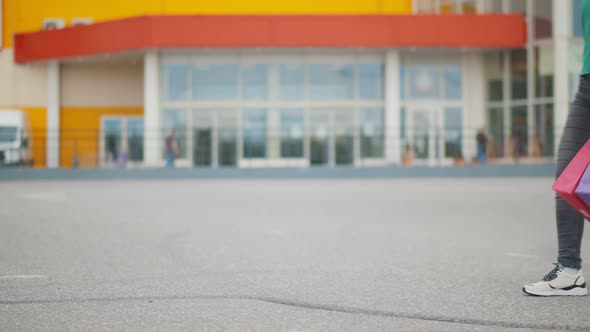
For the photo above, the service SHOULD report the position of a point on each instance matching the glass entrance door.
(227, 138)
(319, 138)
(121, 141)
(112, 142)
(214, 137)
(344, 128)
(424, 135)
(202, 138)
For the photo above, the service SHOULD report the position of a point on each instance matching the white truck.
(15, 138)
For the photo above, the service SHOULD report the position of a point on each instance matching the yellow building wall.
(38, 119)
(28, 15)
(80, 132)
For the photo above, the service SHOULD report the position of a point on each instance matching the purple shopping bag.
(568, 182)
(583, 189)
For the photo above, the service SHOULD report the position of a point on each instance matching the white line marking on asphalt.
(32, 276)
(519, 255)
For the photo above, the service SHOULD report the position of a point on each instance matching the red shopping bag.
(568, 181)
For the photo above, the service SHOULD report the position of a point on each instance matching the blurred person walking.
(566, 278)
(482, 143)
(171, 150)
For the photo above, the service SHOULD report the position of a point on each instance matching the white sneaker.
(558, 282)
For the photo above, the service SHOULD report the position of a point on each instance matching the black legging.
(570, 224)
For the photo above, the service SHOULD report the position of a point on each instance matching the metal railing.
(265, 147)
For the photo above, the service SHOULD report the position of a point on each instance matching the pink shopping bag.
(569, 180)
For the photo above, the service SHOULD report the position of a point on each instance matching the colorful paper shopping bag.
(567, 183)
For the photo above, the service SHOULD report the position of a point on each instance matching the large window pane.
(424, 81)
(544, 144)
(543, 11)
(319, 137)
(544, 68)
(453, 118)
(494, 63)
(371, 80)
(518, 6)
(372, 133)
(453, 82)
(112, 135)
(215, 82)
(175, 81)
(496, 131)
(174, 121)
(520, 132)
(135, 139)
(426, 6)
(255, 81)
(446, 6)
(344, 137)
(255, 132)
(519, 74)
(492, 6)
(291, 81)
(468, 6)
(202, 137)
(227, 136)
(421, 124)
(292, 128)
(331, 82)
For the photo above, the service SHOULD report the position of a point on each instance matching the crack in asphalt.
(312, 306)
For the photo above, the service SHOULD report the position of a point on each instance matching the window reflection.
(255, 132)
(135, 139)
(291, 81)
(292, 129)
(371, 80)
(175, 77)
(372, 133)
(453, 81)
(519, 80)
(215, 82)
(176, 119)
(255, 81)
(331, 82)
(453, 132)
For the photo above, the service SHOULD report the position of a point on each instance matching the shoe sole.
(578, 291)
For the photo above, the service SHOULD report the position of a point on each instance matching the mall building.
(291, 83)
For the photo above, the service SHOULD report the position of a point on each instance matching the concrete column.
(474, 105)
(151, 114)
(393, 143)
(53, 103)
(562, 29)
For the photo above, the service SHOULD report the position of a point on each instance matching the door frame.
(436, 132)
(101, 153)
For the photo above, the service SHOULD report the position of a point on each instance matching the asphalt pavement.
(280, 255)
